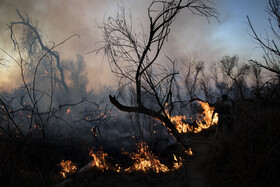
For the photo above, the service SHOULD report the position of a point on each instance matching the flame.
(118, 168)
(207, 120)
(67, 167)
(145, 160)
(189, 151)
(180, 125)
(177, 163)
(93, 130)
(99, 160)
(68, 110)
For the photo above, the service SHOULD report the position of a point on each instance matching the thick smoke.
(191, 35)
(58, 20)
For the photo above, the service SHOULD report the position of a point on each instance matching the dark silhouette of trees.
(270, 44)
(134, 57)
(269, 90)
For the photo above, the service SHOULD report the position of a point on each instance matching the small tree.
(134, 58)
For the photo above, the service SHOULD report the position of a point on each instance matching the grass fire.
(118, 102)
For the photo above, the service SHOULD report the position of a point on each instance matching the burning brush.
(67, 168)
(144, 160)
(207, 119)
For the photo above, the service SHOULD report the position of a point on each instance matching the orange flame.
(208, 119)
(145, 160)
(67, 167)
(180, 125)
(99, 160)
(93, 130)
(189, 151)
(68, 110)
(177, 163)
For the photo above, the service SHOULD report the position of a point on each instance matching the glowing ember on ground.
(67, 167)
(68, 110)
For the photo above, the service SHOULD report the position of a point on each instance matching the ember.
(68, 110)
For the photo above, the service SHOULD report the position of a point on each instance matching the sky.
(190, 35)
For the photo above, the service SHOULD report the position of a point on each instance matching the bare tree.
(134, 57)
(269, 44)
(30, 109)
(271, 54)
(33, 43)
(237, 73)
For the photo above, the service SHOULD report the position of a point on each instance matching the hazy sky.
(191, 35)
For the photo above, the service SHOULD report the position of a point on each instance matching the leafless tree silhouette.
(134, 57)
(35, 45)
(270, 44)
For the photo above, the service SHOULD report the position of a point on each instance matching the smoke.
(190, 34)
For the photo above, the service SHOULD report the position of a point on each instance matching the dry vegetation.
(40, 126)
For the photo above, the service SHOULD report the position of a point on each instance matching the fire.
(189, 151)
(180, 125)
(68, 110)
(145, 160)
(177, 163)
(208, 118)
(67, 167)
(99, 160)
(93, 130)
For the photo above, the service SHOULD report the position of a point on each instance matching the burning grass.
(67, 168)
(205, 120)
(143, 160)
